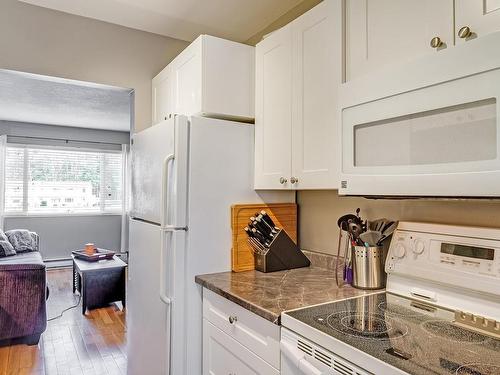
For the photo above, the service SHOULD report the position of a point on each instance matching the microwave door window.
(457, 134)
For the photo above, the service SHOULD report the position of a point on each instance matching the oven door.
(439, 140)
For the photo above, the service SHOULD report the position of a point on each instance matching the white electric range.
(440, 313)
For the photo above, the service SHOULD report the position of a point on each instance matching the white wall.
(43, 41)
(59, 235)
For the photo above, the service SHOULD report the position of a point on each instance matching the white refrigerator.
(186, 173)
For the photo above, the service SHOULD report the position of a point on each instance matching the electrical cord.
(67, 309)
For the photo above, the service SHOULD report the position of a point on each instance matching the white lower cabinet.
(222, 355)
(237, 341)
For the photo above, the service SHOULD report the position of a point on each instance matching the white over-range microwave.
(430, 128)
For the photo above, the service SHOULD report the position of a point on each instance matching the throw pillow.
(21, 240)
(6, 249)
(3, 237)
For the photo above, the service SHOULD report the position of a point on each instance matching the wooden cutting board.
(284, 216)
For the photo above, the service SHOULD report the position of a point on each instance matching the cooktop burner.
(412, 336)
(478, 369)
(394, 309)
(452, 332)
(369, 325)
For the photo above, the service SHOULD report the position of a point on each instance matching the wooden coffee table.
(99, 283)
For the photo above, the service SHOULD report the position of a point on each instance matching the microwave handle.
(298, 359)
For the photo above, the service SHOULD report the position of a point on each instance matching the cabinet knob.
(283, 180)
(233, 319)
(464, 32)
(436, 42)
(294, 180)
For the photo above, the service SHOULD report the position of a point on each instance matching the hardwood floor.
(93, 344)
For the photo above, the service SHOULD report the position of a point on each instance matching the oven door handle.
(299, 359)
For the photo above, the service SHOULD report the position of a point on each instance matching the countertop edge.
(266, 314)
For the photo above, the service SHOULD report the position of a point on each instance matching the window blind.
(43, 180)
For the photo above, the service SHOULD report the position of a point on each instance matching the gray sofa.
(23, 291)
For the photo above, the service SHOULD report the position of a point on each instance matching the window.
(41, 180)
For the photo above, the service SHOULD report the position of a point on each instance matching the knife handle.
(264, 229)
(260, 219)
(260, 237)
(248, 231)
(268, 219)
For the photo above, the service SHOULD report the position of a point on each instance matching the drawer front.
(222, 355)
(257, 334)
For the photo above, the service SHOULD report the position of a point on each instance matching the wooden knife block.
(284, 216)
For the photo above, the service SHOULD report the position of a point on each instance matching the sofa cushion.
(23, 261)
(21, 240)
(6, 249)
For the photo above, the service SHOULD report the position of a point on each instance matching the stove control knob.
(399, 250)
(418, 246)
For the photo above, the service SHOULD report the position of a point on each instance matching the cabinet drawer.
(223, 355)
(257, 334)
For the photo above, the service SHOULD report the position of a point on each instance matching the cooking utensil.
(378, 225)
(343, 226)
(355, 229)
(346, 219)
(337, 259)
(387, 232)
(372, 237)
(348, 257)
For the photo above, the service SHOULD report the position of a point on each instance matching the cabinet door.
(481, 16)
(317, 73)
(384, 32)
(222, 355)
(186, 70)
(162, 96)
(273, 110)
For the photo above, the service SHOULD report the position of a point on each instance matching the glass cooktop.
(412, 336)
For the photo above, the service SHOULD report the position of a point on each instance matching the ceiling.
(47, 100)
(181, 19)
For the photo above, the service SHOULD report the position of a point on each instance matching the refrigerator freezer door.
(150, 148)
(148, 318)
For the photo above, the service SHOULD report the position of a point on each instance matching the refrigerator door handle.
(163, 274)
(164, 189)
(165, 196)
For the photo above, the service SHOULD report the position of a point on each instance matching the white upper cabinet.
(273, 111)
(187, 74)
(212, 77)
(381, 33)
(298, 70)
(317, 73)
(476, 18)
(384, 32)
(162, 96)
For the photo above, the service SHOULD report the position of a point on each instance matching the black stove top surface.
(412, 336)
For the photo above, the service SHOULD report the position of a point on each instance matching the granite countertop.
(269, 294)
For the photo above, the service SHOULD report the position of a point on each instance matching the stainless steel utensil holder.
(283, 254)
(368, 267)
